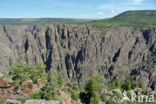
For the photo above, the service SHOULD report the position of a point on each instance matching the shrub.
(24, 99)
(113, 85)
(91, 89)
(129, 102)
(110, 102)
(60, 80)
(20, 72)
(74, 94)
(129, 94)
(95, 99)
(2, 101)
(141, 85)
(117, 94)
(81, 89)
(50, 90)
(36, 96)
(103, 97)
(116, 84)
(134, 84)
(126, 85)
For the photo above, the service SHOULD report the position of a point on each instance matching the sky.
(82, 9)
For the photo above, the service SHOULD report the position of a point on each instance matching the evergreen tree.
(50, 91)
(91, 89)
(60, 80)
(20, 72)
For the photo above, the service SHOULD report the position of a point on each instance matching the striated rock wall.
(77, 50)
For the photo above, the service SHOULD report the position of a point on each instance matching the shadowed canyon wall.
(78, 51)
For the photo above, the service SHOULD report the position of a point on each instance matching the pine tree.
(60, 80)
(20, 72)
(91, 88)
(50, 91)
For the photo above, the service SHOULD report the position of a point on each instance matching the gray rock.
(41, 102)
(77, 51)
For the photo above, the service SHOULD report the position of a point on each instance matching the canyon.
(79, 50)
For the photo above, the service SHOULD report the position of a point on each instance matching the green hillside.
(34, 21)
(129, 18)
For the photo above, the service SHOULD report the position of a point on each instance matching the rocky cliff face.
(77, 51)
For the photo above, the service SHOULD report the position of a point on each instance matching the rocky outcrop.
(10, 94)
(77, 50)
(6, 87)
(33, 101)
(29, 87)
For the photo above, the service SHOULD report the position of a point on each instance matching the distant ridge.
(129, 18)
(137, 13)
(34, 21)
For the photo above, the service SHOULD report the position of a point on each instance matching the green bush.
(24, 99)
(141, 85)
(91, 91)
(95, 99)
(134, 84)
(129, 102)
(20, 72)
(116, 84)
(2, 101)
(74, 94)
(110, 102)
(103, 97)
(126, 85)
(117, 94)
(60, 80)
(129, 94)
(36, 96)
(50, 91)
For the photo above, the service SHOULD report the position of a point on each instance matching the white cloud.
(112, 11)
(95, 15)
(122, 5)
(99, 14)
(137, 1)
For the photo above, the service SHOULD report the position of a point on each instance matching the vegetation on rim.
(53, 84)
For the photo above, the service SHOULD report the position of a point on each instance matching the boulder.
(6, 87)
(5, 82)
(27, 86)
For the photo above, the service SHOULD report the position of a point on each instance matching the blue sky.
(87, 9)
